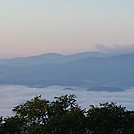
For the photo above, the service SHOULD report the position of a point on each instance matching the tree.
(129, 122)
(12, 125)
(65, 116)
(39, 116)
(107, 118)
(34, 114)
(1, 124)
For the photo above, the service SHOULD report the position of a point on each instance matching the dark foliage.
(64, 116)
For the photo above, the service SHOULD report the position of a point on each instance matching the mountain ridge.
(49, 58)
(91, 72)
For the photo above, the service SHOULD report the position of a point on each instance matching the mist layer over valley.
(11, 96)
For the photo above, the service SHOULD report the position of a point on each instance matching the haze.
(11, 96)
(32, 27)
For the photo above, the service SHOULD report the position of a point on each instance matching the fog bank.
(11, 96)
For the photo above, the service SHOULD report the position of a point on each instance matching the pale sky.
(32, 27)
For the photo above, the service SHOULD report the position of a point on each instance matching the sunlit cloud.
(119, 49)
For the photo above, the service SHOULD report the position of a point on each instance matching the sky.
(32, 27)
(11, 96)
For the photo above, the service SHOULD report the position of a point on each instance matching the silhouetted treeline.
(65, 116)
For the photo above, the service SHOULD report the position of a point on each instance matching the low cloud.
(116, 49)
(11, 96)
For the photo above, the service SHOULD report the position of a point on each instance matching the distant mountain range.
(49, 58)
(92, 70)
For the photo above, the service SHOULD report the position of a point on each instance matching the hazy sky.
(29, 27)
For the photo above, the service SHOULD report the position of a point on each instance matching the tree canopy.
(65, 116)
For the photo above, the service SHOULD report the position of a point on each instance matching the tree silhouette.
(65, 116)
